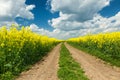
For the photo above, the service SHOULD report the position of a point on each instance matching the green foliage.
(69, 69)
(7, 76)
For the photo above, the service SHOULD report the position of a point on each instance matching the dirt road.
(94, 68)
(44, 70)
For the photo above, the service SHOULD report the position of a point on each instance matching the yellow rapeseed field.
(107, 44)
(21, 48)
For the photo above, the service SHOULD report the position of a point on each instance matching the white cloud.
(56, 33)
(68, 25)
(7, 23)
(34, 27)
(10, 9)
(39, 30)
(79, 10)
(79, 17)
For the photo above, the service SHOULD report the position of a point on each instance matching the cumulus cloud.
(96, 25)
(7, 23)
(56, 33)
(34, 27)
(80, 17)
(73, 13)
(10, 9)
(39, 30)
(79, 10)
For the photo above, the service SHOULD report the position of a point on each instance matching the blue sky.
(62, 19)
(41, 14)
(112, 9)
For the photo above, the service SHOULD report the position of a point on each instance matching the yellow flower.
(2, 45)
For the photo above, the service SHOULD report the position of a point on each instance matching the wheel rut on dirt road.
(94, 68)
(44, 70)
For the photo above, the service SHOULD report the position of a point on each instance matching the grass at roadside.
(69, 69)
(97, 53)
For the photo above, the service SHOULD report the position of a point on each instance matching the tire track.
(94, 68)
(44, 70)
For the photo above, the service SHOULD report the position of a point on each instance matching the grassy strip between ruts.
(97, 53)
(69, 69)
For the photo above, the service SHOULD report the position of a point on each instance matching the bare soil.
(94, 68)
(45, 69)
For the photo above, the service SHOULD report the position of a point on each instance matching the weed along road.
(45, 70)
(94, 68)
